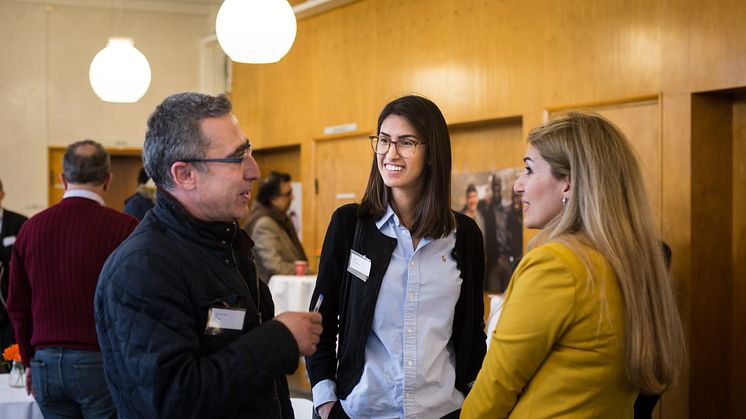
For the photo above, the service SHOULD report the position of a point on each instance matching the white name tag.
(8, 241)
(359, 265)
(225, 318)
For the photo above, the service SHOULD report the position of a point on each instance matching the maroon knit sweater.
(57, 257)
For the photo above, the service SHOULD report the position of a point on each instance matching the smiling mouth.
(393, 167)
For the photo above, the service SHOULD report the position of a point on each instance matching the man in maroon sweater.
(54, 269)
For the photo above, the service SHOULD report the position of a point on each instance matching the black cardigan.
(360, 298)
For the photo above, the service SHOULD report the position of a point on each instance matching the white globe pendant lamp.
(256, 31)
(119, 73)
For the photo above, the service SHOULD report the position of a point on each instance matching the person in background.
(514, 231)
(57, 257)
(401, 275)
(143, 199)
(186, 327)
(276, 244)
(470, 209)
(590, 317)
(10, 225)
(495, 237)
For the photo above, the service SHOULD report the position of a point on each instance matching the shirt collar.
(387, 216)
(82, 193)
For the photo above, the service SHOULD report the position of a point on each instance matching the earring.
(564, 201)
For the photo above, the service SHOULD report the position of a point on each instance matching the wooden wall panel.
(482, 60)
(280, 159)
(342, 167)
(125, 169)
(676, 200)
(640, 122)
(486, 146)
(738, 332)
(711, 256)
(125, 166)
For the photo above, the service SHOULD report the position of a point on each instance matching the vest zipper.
(257, 303)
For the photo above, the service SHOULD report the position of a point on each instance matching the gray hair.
(86, 166)
(174, 133)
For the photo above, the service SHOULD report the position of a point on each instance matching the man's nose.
(251, 171)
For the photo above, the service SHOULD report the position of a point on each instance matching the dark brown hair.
(432, 214)
(270, 188)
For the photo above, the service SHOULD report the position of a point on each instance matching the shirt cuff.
(324, 392)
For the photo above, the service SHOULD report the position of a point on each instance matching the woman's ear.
(566, 187)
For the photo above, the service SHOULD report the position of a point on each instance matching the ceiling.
(302, 8)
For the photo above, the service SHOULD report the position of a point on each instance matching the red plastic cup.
(300, 267)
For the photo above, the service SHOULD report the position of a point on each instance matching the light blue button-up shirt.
(410, 367)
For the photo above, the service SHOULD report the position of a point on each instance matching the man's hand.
(325, 409)
(29, 387)
(305, 328)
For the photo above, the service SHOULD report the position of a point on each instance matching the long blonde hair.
(609, 210)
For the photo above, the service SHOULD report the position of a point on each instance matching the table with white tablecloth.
(292, 292)
(15, 403)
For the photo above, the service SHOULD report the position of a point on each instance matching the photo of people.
(488, 198)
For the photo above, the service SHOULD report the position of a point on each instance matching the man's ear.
(183, 175)
(107, 182)
(63, 180)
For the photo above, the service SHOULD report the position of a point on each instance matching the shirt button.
(222, 242)
(409, 330)
(410, 297)
(409, 363)
(406, 396)
(412, 263)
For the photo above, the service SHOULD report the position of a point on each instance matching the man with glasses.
(186, 326)
(276, 244)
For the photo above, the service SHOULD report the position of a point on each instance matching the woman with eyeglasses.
(404, 274)
(590, 318)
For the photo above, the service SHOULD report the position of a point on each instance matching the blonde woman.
(590, 319)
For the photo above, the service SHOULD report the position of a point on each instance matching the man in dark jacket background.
(10, 225)
(186, 327)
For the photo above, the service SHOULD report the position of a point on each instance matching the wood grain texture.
(486, 60)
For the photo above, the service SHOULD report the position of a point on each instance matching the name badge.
(222, 319)
(359, 265)
(8, 241)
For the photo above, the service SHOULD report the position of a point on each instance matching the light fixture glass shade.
(119, 73)
(256, 31)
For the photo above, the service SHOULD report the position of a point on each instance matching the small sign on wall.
(339, 129)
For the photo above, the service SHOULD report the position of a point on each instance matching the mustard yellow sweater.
(558, 349)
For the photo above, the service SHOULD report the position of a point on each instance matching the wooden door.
(56, 188)
(342, 166)
(639, 120)
(125, 165)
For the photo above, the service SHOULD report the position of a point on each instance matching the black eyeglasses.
(245, 154)
(405, 147)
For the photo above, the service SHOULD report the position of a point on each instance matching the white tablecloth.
(15, 404)
(291, 292)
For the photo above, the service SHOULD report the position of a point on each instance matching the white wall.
(45, 97)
